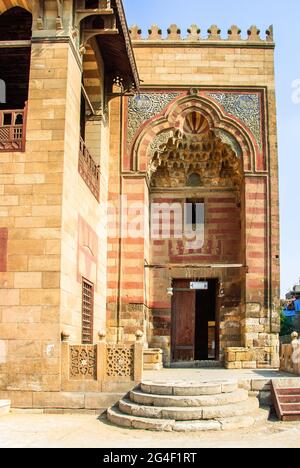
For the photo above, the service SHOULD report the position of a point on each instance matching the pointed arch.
(16, 24)
(6, 5)
(173, 118)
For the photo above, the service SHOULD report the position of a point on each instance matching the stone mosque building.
(98, 125)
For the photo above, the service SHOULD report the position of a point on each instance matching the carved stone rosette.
(83, 362)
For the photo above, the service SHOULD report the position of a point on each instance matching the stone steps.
(4, 407)
(286, 401)
(190, 413)
(187, 406)
(138, 396)
(189, 388)
(115, 416)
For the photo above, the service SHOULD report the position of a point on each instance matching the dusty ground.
(69, 431)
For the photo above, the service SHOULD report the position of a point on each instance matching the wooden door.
(183, 322)
(217, 292)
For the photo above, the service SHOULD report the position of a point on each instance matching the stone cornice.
(202, 44)
(60, 40)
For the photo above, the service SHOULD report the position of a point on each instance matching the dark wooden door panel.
(183, 320)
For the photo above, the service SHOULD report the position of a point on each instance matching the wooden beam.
(60, 11)
(40, 19)
(86, 97)
(14, 44)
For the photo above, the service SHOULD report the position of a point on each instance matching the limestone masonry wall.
(53, 229)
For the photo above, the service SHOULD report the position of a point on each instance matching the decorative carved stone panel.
(120, 361)
(246, 107)
(154, 117)
(197, 150)
(178, 249)
(143, 107)
(83, 362)
(158, 142)
(135, 307)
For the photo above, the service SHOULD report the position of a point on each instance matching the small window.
(98, 23)
(194, 180)
(91, 4)
(194, 212)
(7, 119)
(19, 119)
(87, 311)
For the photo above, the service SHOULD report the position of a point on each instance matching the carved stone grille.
(83, 362)
(120, 361)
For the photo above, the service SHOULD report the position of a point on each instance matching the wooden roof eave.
(128, 43)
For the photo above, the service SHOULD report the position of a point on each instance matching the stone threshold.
(197, 365)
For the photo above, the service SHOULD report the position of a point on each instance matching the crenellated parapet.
(193, 34)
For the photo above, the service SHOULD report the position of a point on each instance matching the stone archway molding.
(158, 129)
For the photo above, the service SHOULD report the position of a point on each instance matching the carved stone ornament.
(246, 107)
(195, 151)
(83, 362)
(120, 361)
(143, 107)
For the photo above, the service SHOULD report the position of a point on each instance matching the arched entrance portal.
(198, 174)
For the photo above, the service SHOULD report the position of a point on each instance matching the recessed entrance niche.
(196, 166)
(195, 156)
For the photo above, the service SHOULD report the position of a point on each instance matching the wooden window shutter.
(87, 311)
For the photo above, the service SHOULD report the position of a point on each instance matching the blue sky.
(285, 18)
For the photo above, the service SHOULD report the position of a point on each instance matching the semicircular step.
(181, 388)
(147, 399)
(115, 416)
(189, 413)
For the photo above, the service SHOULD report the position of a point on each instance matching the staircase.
(184, 407)
(287, 402)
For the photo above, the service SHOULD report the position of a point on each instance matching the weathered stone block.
(249, 365)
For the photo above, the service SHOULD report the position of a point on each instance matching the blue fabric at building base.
(297, 305)
(293, 312)
(289, 313)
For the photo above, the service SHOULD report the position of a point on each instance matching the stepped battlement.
(174, 34)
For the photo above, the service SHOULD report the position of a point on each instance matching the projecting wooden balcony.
(89, 170)
(12, 130)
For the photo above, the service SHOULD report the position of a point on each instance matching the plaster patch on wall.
(3, 249)
(3, 352)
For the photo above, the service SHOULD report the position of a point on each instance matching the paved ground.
(214, 374)
(81, 430)
(69, 431)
